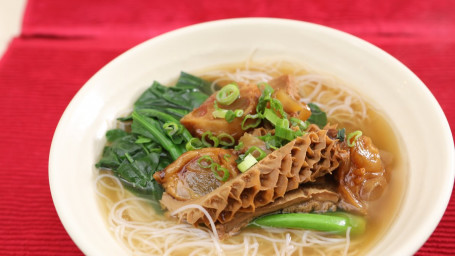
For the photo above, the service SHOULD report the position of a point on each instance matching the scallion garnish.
(194, 143)
(216, 168)
(247, 163)
(276, 105)
(206, 136)
(205, 161)
(299, 123)
(239, 146)
(271, 116)
(253, 149)
(252, 125)
(352, 138)
(226, 139)
(171, 128)
(228, 94)
(229, 115)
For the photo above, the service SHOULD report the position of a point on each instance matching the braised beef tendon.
(201, 119)
(191, 177)
(361, 176)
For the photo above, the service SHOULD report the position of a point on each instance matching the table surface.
(61, 44)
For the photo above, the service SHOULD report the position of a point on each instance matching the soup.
(137, 222)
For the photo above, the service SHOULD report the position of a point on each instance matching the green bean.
(336, 222)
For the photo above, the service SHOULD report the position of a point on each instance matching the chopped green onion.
(239, 146)
(227, 156)
(264, 99)
(219, 113)
(282, 130)
(299, 123)
(247, 163)
(253, 149)
(222, 139)
(230, 115)
(276, 105)
(216, 168)
(253, 125)
(352, 138)
(272, 141)
(207, 159)
(171, 128)
(194, 143)
(228, 94)
(271, 116)
(210, 137)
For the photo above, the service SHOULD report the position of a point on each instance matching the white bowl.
(416, 115)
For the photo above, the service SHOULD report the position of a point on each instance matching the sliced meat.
(201, 119)
(186, 178)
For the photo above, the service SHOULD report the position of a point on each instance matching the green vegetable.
(216, 168)
(283, 131)
(166, 118)
(229, 115)
(194, 83)
(247, 163)
(205, 161)
(299, 123)
(337, 222)
(253, 149)
(239, 146)
(206, 136)
(266, 96)
(272, 141)
(226, 139)
(318, 116)
(341, 134)
(134, 163)
(252, 125)
(228, 94)
(150, 126)
(276, 105)
(159, 96)
(271, 116)
(194, 143)
(157, 138)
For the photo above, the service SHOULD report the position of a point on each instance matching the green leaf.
(189, 81)
(341, 134)
(114, 134)
(318, 116)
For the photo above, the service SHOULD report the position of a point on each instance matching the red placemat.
(63, 43)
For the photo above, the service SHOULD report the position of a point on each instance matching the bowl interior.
(417, 118)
